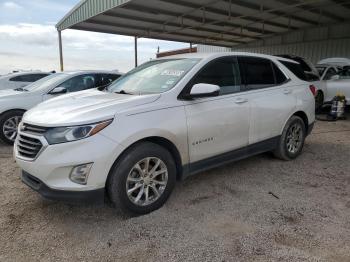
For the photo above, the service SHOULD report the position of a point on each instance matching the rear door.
(271, 97)
(217, 125)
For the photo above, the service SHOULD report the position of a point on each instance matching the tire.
(319, 100)
(125, 170)
(284, 149)
(9, 121)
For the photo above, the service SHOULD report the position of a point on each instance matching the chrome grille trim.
(28, 147)
(37, 130)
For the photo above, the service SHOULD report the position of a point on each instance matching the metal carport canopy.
(226, 23)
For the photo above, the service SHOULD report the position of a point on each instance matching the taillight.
(313, 89)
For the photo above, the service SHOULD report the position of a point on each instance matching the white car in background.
(163, 121)
(335, 61)
(13, 103)
(21, 79)
(333, 81)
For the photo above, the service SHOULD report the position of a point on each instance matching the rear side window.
(257, 72)
(28, 78)
(223, 72)
(296, 69)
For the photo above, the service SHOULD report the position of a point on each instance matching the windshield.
(46, 82)
(345, 73)
(153, 77)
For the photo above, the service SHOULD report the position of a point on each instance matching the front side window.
(46, 82)
(105, 80)
(223, 72)
(153, 77)
(258, 72)
(79, 83)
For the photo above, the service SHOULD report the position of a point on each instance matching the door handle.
(287, 91)
(241, 100)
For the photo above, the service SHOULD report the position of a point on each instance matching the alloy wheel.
(10, 127)
(147, 181)
(294, 138)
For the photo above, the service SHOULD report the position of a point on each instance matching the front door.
(219, 124)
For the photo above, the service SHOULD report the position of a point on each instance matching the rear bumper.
(90, 196)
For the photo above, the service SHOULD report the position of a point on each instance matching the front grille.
(32, 129)
(28, 147)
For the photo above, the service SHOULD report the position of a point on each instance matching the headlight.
(67, 134)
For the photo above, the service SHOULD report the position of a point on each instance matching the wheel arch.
(161, 141)
(13, 109)
(304, 117)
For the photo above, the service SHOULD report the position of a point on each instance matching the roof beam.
(148, 31)
(158, 24)
(217, 11)
(85, 26)
(314, 10)
(259, 7)
(345, 4)
(199, 20)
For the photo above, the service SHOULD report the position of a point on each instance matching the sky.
(28, 41)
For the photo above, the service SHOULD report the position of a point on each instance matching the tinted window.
(105, 80)
(258, 72)
(279, 76)
(296, 69)
(330, 72)
(28, 77)
(345, 73)
(78, 83)
(223, 72)
(320, 70)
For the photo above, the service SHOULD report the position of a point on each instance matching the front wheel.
(9, 122)
(292, 139)
(142, 179)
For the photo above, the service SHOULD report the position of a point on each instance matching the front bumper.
(90, 196)
(52, 167)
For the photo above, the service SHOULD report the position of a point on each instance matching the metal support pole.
(60, 49)
(135, 42)
(190, 47)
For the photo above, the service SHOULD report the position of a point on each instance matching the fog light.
(79, 174)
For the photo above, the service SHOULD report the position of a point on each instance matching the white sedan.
(14, 103)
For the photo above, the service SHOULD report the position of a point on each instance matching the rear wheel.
(142, 179)
(9, 122)
(292, 139)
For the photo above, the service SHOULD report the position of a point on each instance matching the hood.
(83, 108)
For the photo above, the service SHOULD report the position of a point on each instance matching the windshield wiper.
(20, 89)
(123, 92)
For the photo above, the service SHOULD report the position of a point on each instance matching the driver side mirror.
(204, 90)
(335, 77)
(58, 90)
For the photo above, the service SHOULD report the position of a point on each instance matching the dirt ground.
(258, 209)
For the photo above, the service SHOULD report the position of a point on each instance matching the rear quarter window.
(296, 69)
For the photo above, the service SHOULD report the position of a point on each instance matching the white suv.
(165, 120)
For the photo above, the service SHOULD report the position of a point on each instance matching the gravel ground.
(258, 209)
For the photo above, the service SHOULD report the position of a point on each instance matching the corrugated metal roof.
(214, 22)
